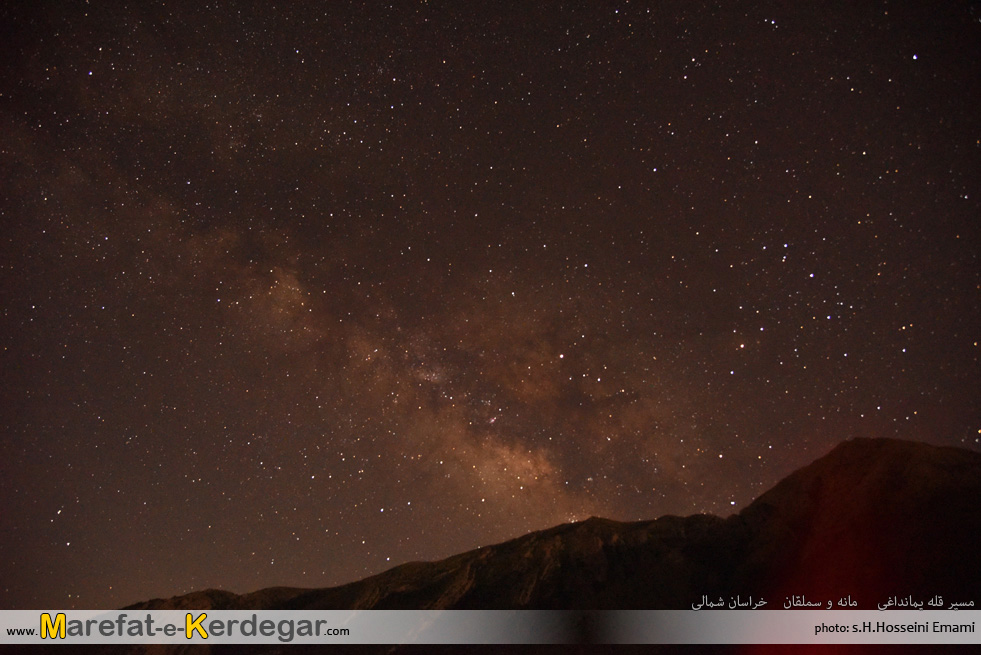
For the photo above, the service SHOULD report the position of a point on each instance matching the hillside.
(871, 519)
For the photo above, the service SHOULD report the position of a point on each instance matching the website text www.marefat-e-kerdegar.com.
(123, 626)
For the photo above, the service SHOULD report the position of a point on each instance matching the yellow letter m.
(47, 627)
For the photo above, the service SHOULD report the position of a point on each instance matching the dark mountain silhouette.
(872, 519)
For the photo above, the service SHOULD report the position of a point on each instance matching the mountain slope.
(871, 519)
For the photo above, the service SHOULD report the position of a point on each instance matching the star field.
(294, 294)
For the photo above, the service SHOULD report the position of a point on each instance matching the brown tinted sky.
(293, 294)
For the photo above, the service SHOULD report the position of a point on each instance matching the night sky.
(294, 294)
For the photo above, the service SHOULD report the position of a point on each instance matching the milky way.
(292, 295)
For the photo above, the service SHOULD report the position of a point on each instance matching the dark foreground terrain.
(872, 519)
